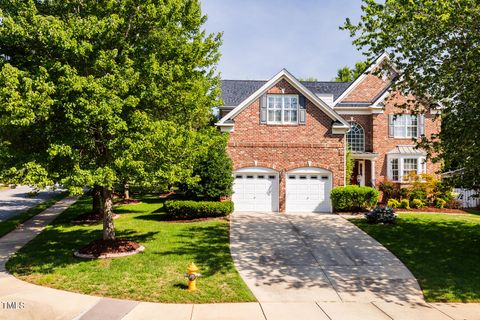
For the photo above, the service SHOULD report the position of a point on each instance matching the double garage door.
(306, 190)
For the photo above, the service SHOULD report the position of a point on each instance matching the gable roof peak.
(284, 75)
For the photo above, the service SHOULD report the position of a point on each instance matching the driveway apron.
(316, 257)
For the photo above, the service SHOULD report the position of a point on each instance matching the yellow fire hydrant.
(192, 276)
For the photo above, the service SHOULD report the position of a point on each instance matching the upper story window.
(356, 138)
(282, 109)
(406, 126)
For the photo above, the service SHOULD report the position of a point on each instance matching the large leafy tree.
(434, 43)
(94, 91)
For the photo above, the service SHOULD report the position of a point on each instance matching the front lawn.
(441, 250)
(155, 275)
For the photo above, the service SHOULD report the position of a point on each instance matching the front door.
(358, 175)
(361, 173)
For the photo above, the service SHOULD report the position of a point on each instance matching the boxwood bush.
(393, 203)
(417, 204)
(405, 204)
(187, 209)
(354, 198)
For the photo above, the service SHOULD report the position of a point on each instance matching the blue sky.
(263, 36)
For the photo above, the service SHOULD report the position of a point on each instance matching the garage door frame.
(267, 172)
(310, 171)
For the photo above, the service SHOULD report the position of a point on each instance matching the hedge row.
(187, 209)
(354, 198)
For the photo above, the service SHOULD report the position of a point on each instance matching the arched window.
(356, 137)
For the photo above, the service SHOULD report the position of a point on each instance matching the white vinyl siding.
(282, 109)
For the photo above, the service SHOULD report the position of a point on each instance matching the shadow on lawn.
(54, 248)
(443, 255)
(208, 245)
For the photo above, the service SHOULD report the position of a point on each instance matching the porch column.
(372, 170)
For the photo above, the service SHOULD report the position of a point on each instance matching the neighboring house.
(288, 138)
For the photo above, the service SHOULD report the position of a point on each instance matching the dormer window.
(282, 109)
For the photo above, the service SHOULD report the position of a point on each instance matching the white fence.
(468, 198)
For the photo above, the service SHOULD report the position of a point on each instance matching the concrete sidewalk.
(22, 300)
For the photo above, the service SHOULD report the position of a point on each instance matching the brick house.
(288, 138)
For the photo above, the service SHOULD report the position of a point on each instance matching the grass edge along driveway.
(441, 250)
(155, 275)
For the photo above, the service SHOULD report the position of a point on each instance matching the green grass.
(441, 250)
(13, 222)
(154, 275)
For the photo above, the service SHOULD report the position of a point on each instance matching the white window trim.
(421, 165)
(362, 149)
(405, 126)
(282, 121)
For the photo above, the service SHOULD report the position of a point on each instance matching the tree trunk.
(126, 193)
(108, 227)
(97, 201)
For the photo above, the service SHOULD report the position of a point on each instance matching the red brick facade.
(286, 147)
(367, 90)
(382, 143)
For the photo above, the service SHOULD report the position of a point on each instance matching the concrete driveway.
(316, 257)
(15, 201)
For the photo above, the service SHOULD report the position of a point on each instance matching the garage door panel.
(255, 192)
(308, 193)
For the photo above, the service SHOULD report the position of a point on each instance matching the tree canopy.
(93, 91)
(434, 44)
(346, 74)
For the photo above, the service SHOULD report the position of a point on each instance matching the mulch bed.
(91, 218)
(422, 210)
(100, 247)
(433, 210)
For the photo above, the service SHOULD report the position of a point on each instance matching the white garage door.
(308, 190)
(255, 191)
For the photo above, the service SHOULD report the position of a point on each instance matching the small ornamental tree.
(213, 167)
(93, 91)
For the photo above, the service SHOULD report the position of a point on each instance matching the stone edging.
(109, 255)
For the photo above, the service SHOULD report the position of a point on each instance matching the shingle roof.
(235, 91)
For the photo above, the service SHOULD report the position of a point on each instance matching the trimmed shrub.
(354, 198)
(187, 209)
(390, 190)
(381, 215)
(404, 193)
(405, 204)
(417, 204)
(393, 203)
(418, 194)
(440, 203)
